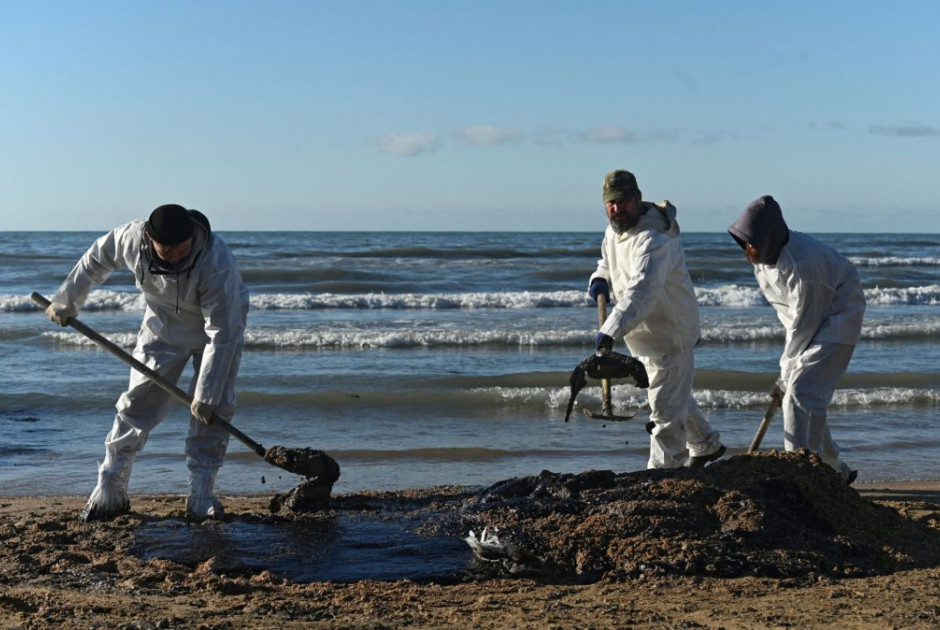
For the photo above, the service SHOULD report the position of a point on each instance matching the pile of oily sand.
(769, 514)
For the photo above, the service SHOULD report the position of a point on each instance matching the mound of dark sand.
(312, 495)
(770, 514)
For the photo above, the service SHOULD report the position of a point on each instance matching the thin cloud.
(909, 130)
(409, 144)
(486, 136)
(609, 134)
(615, 134)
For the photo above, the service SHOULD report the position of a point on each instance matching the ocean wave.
(98, 300)
(411, 339)
(363, 339)
(726, 296)
(737, 296)
(895, 261)
(871, 330)
(342, 338)
(731, 295)
(627, 397)
(501, 300)
(843, 398)
(911, 296)
(66, 338)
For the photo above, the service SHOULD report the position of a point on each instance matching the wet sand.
(58, 572)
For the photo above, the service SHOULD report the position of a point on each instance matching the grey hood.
(762, 225)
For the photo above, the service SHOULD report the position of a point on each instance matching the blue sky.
(452, 115)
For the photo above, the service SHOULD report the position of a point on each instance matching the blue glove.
(603, 343)
(599, 286)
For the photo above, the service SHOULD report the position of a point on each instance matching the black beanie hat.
(170, 224)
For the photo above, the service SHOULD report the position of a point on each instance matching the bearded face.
(623, 222)
(623, 214)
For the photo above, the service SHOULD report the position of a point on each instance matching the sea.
(433, 358)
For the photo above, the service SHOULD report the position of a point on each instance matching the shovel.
(305, 462)
(776, 401)
(607, 407)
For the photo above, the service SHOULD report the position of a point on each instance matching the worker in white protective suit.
(642, 267)
(196, 308)
(819, 300)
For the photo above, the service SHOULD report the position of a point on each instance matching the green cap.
(619, 185)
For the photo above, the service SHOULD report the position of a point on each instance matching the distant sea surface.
(418, 359)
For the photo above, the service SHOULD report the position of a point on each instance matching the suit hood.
(658, 216)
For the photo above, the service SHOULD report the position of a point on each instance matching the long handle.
(775, 403)
(157, 378)
(606, 404)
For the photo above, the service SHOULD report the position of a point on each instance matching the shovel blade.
(305, 462)
(607, 416)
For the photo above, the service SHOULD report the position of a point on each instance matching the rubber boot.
(202, 504)
(109, 498)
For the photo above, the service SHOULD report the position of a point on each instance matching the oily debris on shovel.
(305, 462)
(606, 365)
(319, 470)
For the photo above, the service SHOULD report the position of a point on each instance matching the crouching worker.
(196, 308)
(819, 300)
(643, 265)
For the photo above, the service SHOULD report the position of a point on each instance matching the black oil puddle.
(346, 548)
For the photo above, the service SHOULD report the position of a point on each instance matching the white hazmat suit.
(818, 298)
(657, 315)
(195, 310)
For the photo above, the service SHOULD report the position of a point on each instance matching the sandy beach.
(58, 572)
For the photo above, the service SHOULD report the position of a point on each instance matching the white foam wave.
(409, 339)
(718, 334)
(730, 296)
(873, 330)
(99, 300)
(629, 397)
(412, 338)
(885, 397)
(124, 340)
(509, 299)
(300, 339)
(913, 296)
(626, 396)
(727, 296)
(737, 296)
(895, 261)
(901, 331)
(845, 398)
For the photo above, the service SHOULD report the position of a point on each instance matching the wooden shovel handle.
(777, 400)
(606, 403)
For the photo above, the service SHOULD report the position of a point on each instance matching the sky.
(456, 115)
